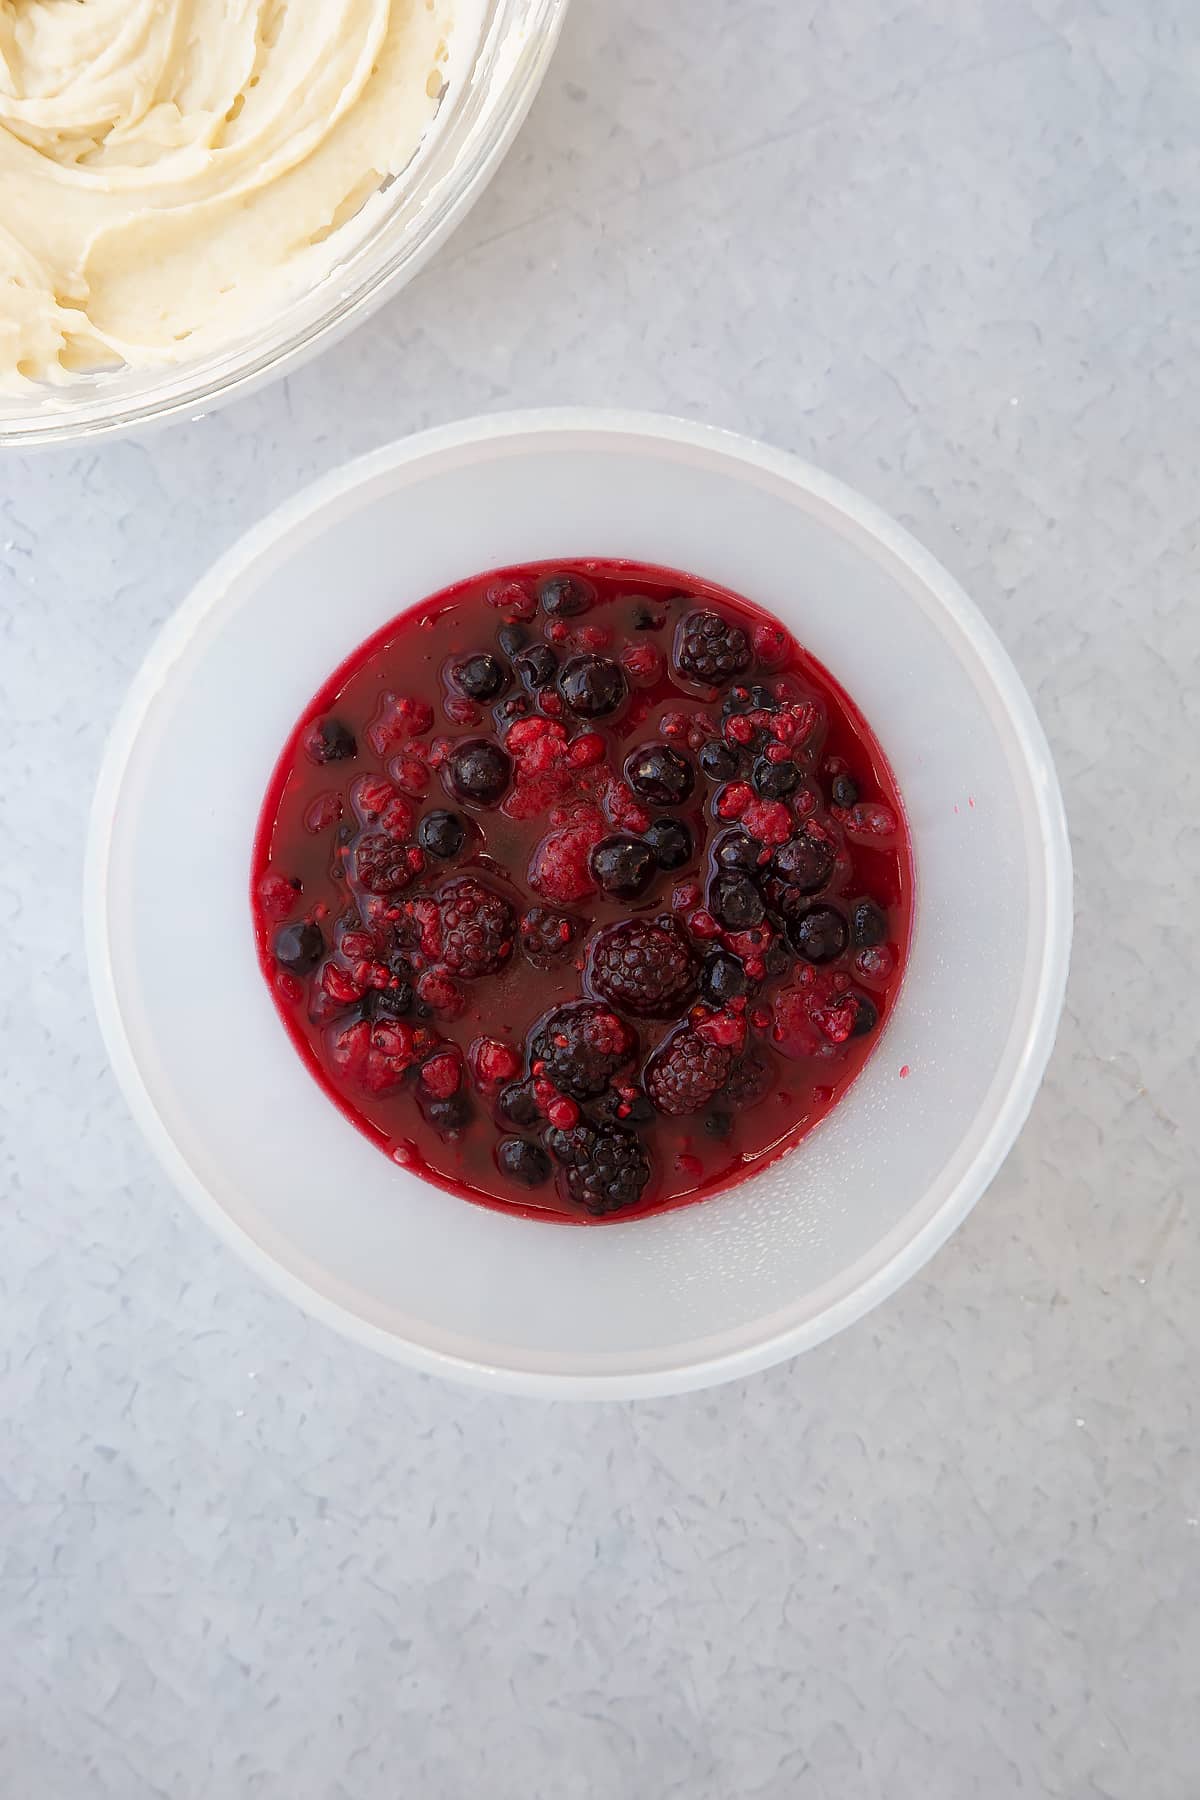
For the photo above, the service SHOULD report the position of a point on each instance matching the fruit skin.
(660, 774)
(479, 771)
(623, 866)
(299, 948)
(581, 1046)
(480, 677)
(525, 1163)
(718, 760)
(566, 596)
(648, 970)
(723, 978)
(800, 867)
(671, 842)
(478, 927)
(537, 666)
(592, 686)
(709, 649)
(328, 740)
(685, 1072)
(819, 934)
(775, 780)
(604, 1171)
(441, 833)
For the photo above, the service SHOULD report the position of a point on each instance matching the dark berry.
(709, 649)
(718, 760)
(718, 1124)
(394, 1002)
(646, 618)
(735, 901)
(566, 596)
(804, 864)
(592, 686)
(775, 780)
(516, 1104)
(546, 935)
(328, 740)
(723, 978)
(383, 866)
(685, 1072)
(844, 790)
(749, 699)
(866, 1015)
(523, 1162)
(868, 924)
(582, 1046)
(623, 866)
(477, 928)
(737, 850)
(818, 935)
(623, 1106)
(671, 842)
(660, 775)
(647, 969)
(479, 771)
(480, 677)
(450, 1116)
(512, 638)
(749, 1081)
(603, 1171)
(537, 666)
(441, 833)
(299, 947)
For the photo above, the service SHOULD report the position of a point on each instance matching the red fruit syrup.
(582, 889)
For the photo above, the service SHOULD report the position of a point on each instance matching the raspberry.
(581, 1047)
(397, 718)
(624, 809)
(603, 1171)
(441, 1076)
(492, 1063)
(543, 767)
(440, 993)
(772, 645)
(647, 969)
(383, 866)
(769, 821)
(686, 1072)
(709, 649)
(379, 1055)
(853, 1015)
(277, 895)
(512, 598)
(642, 662)
(477, 928)
(559, 871)
(547, 935)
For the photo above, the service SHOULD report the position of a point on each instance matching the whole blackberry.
(604, 1171)
(709, 649)
(299, 947)
(479, 771)
(649, 970)
(592, 686)
(477, 927)
(686, 1071)
(583, 1045)
(546, 935)
(660, 775)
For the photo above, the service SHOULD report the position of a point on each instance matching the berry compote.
(582, 889)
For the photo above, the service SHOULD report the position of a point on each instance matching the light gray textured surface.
(954, 1554)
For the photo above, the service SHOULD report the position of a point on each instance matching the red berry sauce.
(582, 889)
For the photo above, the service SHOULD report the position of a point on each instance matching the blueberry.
(537, 666)
(804, 863)
(718, 1124)
(328, 740)
(441, 833)
(517, 1105)
(737, 850)
(592, 686)
(718, 761)
(522, 1161)
(512, 638)
(448, 1117)
(671, 842)
(660, 775)
(565, 596)
(844, 791)
(868, 924)
(623, 866)
(480, 677)
(818, 935)
(736, 901)
(723, 978)
(866, 1015)
(775, 780)
(299, 947)
(479, 771)
(645, 618)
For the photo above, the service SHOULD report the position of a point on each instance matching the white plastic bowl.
(659, 1304)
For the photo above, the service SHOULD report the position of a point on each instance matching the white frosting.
(172, 171)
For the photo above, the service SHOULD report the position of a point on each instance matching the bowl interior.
(661, 1302)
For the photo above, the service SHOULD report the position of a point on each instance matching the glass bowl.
(491, 88)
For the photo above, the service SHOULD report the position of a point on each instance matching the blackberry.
(718, 760)
(523, 1162)
(623, 866)
(546, 935)
(477, 928)
(537, 666)
(709, 649)
(328, 740)
(583, 1045)
(441, 833)
(844, 791)
(592, 686)
(723, 978)
(566, 596)
(685, 1072)
(660, 775)
(479, 771)
(735, 901)
(480, 677)
(649, 970)
(671, 842)
(604, 1171)
(868, 924)
(775, 780)
(819, 935)
(299, 947)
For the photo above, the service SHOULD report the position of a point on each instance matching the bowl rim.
(1010, 1108)
(322, 315)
